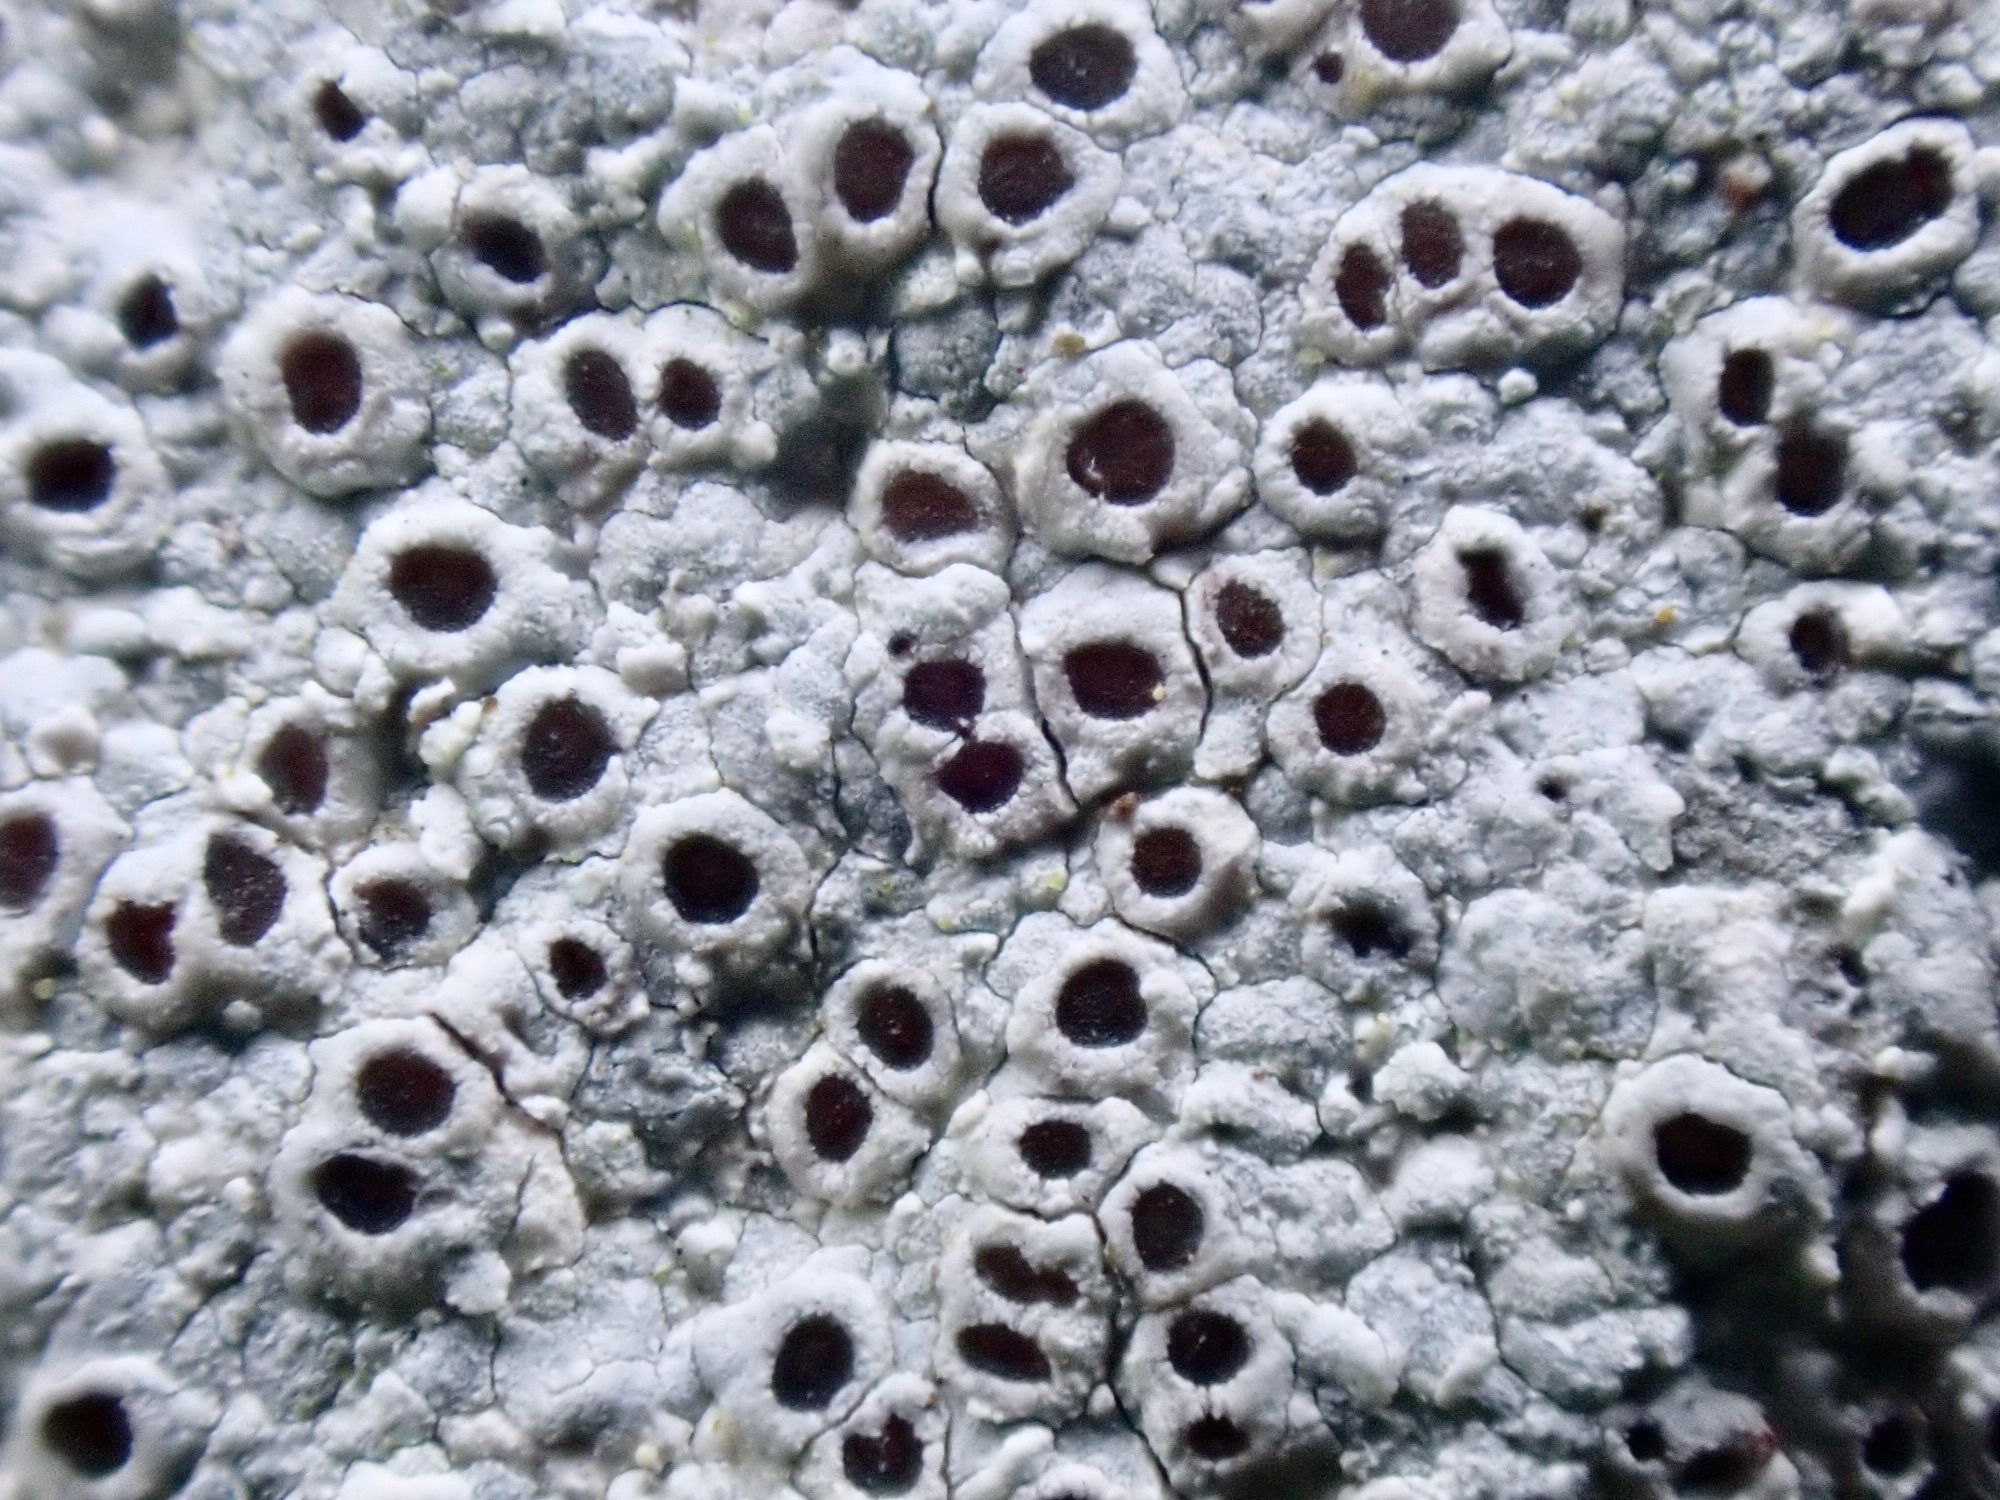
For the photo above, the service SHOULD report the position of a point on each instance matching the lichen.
(1078, 750)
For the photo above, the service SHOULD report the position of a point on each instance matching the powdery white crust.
(684, 432)
(1254, 621)
(1355, 730)
(384, 1201)
(1201, 1395)
(1199, 1249)
(743, 1340)
(303, 771)
(1367, 922)
(836, 1136)
(869, 1447)
(1276, 26)
(1022, 801)
(869, 1018)
(1777, 1188)
(556, 939)
(377, 1482)
(1942, 1173)
(1021, 1295)
(1788, 472)
(76, 834)
(999, 1146)
(878, 226)
(137, 257)
(398, 908)
(971, 769)
(218, 914)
